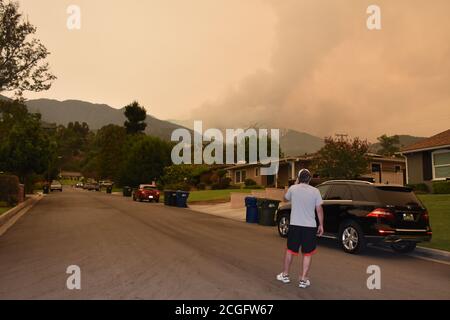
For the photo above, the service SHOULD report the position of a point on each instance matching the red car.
(146, 192)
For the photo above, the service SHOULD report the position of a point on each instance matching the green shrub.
(221, 173)
(250, 182)
(201, 186)
(9, 189)
(441, 187)
(183, 186)
(224, 183)
(419, 188)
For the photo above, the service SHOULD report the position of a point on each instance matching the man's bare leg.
(287, 262)
(306, 264)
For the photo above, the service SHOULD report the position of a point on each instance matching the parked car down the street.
(357, 213)
(92, 186)
(146, 192)
(56, 186)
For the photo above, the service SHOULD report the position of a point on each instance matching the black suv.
(358, 212)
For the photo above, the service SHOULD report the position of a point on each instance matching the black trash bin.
(181, 198)
(46, 189)
(259, 204)
(109, 189)
(173, 199)
(267, 212)
(167, 195)
(127, 191)
(252, 210)
(170, 198)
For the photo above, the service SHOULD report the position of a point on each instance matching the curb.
(431, 254)
(11, 216)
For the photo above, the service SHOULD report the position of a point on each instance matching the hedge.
(419, 188)
(9, 189)
(441, 187)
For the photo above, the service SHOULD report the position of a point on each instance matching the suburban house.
(288, 168)
(68, 175)
(386, 170)
(428, 160)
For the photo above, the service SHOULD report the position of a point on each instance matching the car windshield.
(149, 188)
(397, 196)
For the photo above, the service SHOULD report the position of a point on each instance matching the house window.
(241, 175)
(398, 169)
(441, 164)
(376, 167)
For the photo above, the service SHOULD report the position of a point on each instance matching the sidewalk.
(222, 210)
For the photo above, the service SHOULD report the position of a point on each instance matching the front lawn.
(213, 195)
(4, 209)
(438, 206)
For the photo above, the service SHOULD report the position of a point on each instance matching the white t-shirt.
(304, 200)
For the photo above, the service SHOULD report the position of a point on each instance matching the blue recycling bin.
(252, 210)
(181, 199)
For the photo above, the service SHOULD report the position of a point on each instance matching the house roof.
(281, 161)
(71, 174)
(378, 157)
(372, 156)
(440, 140)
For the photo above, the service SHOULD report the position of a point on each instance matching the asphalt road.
(129, 250)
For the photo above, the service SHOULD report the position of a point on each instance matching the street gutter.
(10, 217)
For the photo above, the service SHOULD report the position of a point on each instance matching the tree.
(185, 175)
(342, 158)
(389, 145)
(22, 60)
(25, 148)
(110, 143)
(136, 116)
(146, 160)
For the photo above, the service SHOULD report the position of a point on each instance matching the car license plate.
(408, 217)
(150, 197)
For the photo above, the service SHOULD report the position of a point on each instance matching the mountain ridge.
(97, 115)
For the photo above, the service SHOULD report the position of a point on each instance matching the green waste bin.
(127, 191)
(266, 211)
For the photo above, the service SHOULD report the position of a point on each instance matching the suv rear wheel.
(404, 246)
(283, 225)
(351, 237)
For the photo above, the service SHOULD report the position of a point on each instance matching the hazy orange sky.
(309, 65)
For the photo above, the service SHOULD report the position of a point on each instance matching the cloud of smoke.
(330, 74)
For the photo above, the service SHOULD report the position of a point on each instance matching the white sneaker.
(304, 284)
(283, 278)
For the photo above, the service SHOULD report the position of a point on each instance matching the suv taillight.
(382, 213)
(425, 217)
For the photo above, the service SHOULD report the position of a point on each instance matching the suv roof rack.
(351, 181)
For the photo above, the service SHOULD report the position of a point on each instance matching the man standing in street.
(303, 229)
